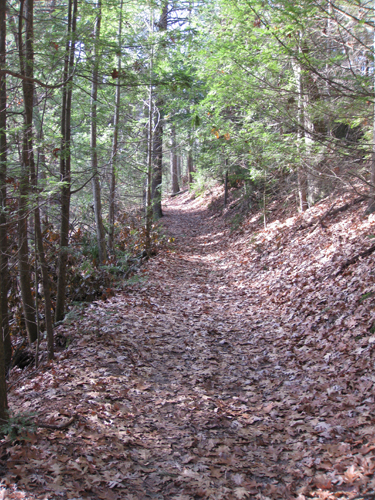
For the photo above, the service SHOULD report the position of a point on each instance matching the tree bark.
(149, 168)
(28, 160)
(112, 187)
(5, 344)
(100, 233)
(157, 176)
(41, 162)
(226, 184)
(65, 175)
(190, 164)
(301, 174)
(26, 66)
(45, 279)
(371, 204)
(174, 173)
(179, 167)
(157, 162)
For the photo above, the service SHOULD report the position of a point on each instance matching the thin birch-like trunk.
(100, 233)
(112, 187)
(301, 174)
(149, 211)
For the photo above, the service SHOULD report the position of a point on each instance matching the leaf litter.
(241, 366)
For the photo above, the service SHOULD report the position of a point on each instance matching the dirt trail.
(184, 389)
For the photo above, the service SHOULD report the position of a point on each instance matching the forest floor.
(241, 365)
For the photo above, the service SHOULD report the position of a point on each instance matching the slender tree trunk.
(4, 270)
(26, 66)
(157, 176)
(28, 160)
(190, 165)
(5, 344)
(312, 126)
(112, 188)
(301, 174)
(41, 161)
(265, 200)
(148, 207)
(46, 283)
(157, 162)
(100, 233)
(149, 213)
(65, 175)
(371, 204)
(174, 173)
(226, 183)
(179, 167)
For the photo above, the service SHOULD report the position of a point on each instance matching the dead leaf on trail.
(242, 368)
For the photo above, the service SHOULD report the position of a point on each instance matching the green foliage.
(366, 296)
(202, 182)
(236, 222)
(136, 279)
(19, 427)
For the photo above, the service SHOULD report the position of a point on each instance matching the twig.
(320, 219)
(365, 496)
(354, 259)
(59, 426)
(331, 212)
(348, 205)
(22, 377)
(179, 192)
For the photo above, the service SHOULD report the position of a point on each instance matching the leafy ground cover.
(240, 365)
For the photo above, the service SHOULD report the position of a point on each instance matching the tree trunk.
(41, 162)
(371, 204)
(157, 162)
(313, 128)
(26, 66)
(179, 167)
(226, 184)
(28, 160)
(190, 165)
(45, 281)
(100, 233)
(5, 344)
(157, 175)
(149, 169)
(65, 176)
(301, 174)
(174, 173)
(112, 188)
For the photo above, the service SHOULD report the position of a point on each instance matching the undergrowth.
(86, 279)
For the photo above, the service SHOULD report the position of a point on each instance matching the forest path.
(189, 385)
(157, 376)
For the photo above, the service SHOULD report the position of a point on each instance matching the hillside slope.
(241, 365)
